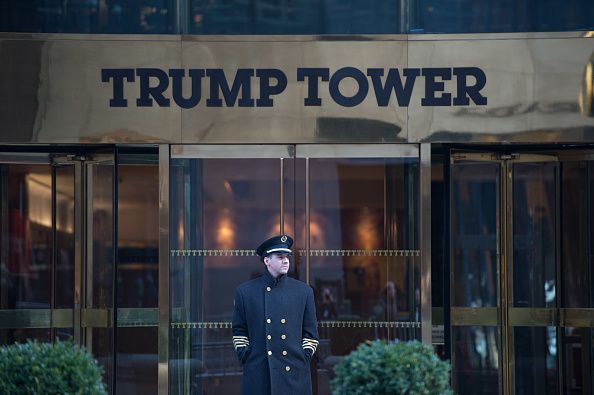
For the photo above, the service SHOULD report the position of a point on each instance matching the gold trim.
(471, 316)
(526, 316)
(576, 318)
(321, 324)
(62, 318)
(96, 318)
(312, 253)
(369, 324)
(183, 253)
(392, 253)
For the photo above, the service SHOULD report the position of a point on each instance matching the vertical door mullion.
(88, 255)
(79, 249)
(307, 220)
(506, 297)
(163, 334)
(424, 233)
(53, 253)
(114, 252)
(282, 197)
(559, 331)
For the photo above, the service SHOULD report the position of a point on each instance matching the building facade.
(439, 187)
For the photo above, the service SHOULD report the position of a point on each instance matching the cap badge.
(284, 239)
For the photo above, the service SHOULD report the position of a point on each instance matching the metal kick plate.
(471, 316)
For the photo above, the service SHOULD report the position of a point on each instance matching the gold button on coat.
(283, 337)
(283, 321)
(269, 352)
(269, 337)
(287, 368)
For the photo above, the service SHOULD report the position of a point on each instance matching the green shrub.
(44, 368)
(379, 368)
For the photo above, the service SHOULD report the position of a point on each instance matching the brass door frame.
(486, 316)
(507, 315)
(282, 152)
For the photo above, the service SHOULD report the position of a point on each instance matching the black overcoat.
(275, 335)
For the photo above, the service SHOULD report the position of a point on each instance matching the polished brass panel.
(576, 318)
(231, 151)
(70, 104)
(528, 316)
(357, 151)
(132, 317)
(425, 239)
(532, 99)
(25, 318)
(535, 98)
(471, 316)
(96, 318)
(62, 318)
(290, 120)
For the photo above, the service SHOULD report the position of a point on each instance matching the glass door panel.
(26, 265)
(223, 202)
(543, 229)
(534, 211)
(64, 235)
(98, 271)
(354, 218)
(137, 267)
(475, 253)
(361, 247)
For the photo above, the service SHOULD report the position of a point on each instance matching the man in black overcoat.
(274, 326)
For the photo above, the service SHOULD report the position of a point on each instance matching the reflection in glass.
(475, 367)
(136, 358)
(534, 243)
(100, 260)
(468, 16)
(25, 234)
(138, 235)
(89, 16)
(21, 335)
(137, 272)
(222, 206)
(294, 17)
(369, 206)
(535, 351)
(575, 243)
(474, 234)
(64, 255)
(577, 369)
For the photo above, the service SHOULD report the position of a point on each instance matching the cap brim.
(277, 250)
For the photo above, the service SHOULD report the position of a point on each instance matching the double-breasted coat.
(275, 335)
